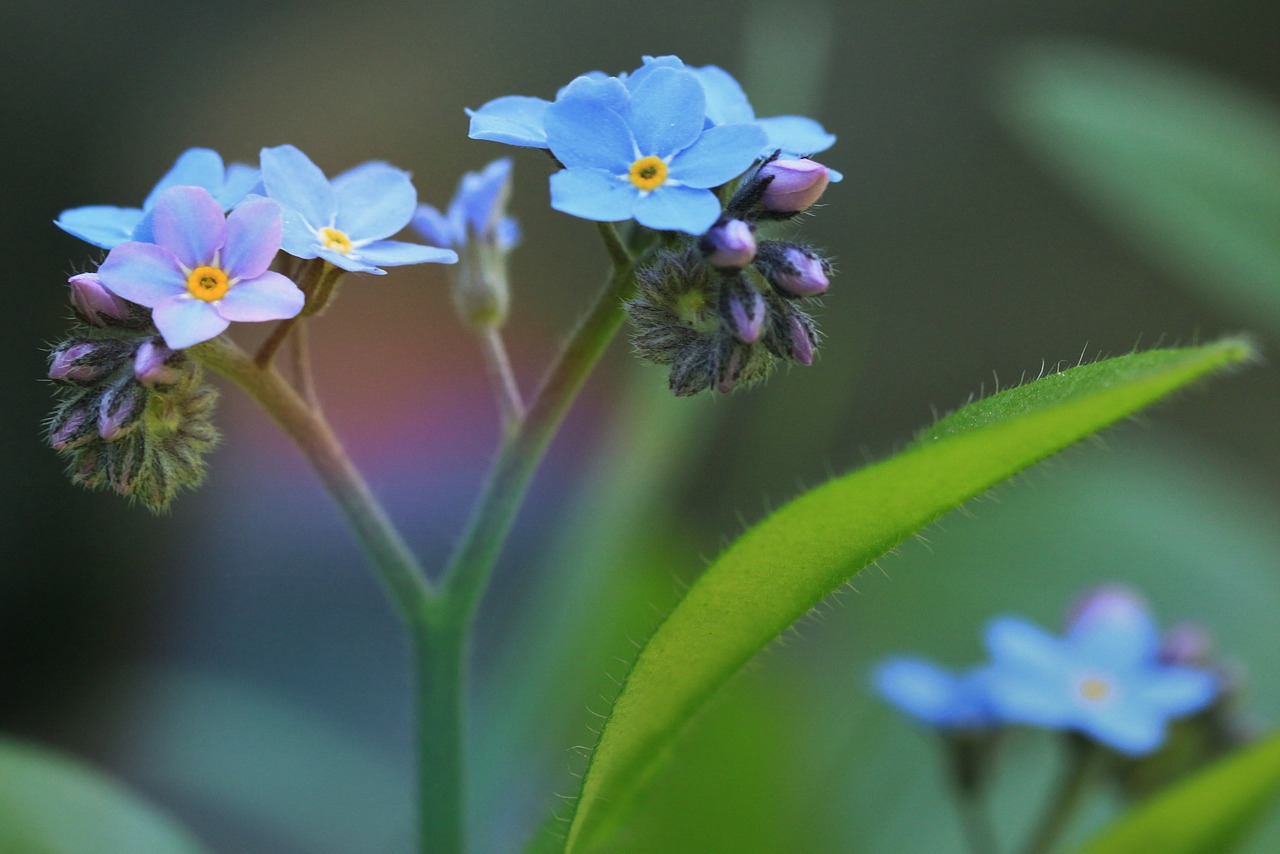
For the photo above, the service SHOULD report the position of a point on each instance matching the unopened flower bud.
(803, 340)
(742, 309)
(793, 270)
(72, 426)
(730, 370)
(93, 302)
(1187, 644)
(121, 409)
(729, 245)
(1113, 604)
(79, 362)
(794, 185)
(150, 364)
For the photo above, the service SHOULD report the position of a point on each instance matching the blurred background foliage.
(1007, 204)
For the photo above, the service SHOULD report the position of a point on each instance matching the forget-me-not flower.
(346, 221)
(204, 269)
(934, 695)
(477, 212)
(477, 226)
(520, 120)
(1103, 679)
(107, 227)
(644, 154)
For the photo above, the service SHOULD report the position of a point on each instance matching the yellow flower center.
(207, 283)
(648, 173)
(1095, 690)
(336, 240)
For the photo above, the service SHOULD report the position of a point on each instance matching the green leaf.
(50, 804)
(779, 569)
(1185, 165)
(1210, 813)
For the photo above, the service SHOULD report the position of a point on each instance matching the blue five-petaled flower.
(107, 227)
(345, 221)
(644, 154)
(477, 212)
(933, 694)
(204, 269)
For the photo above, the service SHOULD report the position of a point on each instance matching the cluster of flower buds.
(724, 312)
(132, 415)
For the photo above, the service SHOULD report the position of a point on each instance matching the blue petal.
(184, 321)
(726, 102)
(346, 262)
(241, 180)
(928, 692)
(597, 76)
(720, 155)
(513, 119)
(593, 194)
(253, 239)
(190, 224)
(609, 91)
(797, 136)
(375, 200)
(297, 237)
(143, 273)
(651, 64)
(270, 296)
(396, 253)
(1014, 642)
(1177, 691)
(196, 167)
(1120, 635)
(587, 133)
(507, 234)
(102, 225)
(671, 208)
(667, 112)
(483, 196)
(1134, 731)
(1024, 696)
(295, 182)
(435, 227)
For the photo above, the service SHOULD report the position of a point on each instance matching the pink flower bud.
(746, 315)
(120, 410)
(794, 186)
(802, 343)
(149, 364)
(78, 362)
(801, 274)
(94, 302)
(729, 245)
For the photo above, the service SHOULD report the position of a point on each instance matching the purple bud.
(149, 364)
(70, 428)
(794, 185)
(92, 301)
(1186, 644)
(729, 245)
(804, 276)
(748, 317)
(802, 342)
(120, 410)
(1108, 603)
(729, 371)
(78, 362)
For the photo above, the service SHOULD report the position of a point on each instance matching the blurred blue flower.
(204, 270)
(1103, 679)
(933, 694)
(477, 212)
(107, 227)
(644, 154)
(345, 221)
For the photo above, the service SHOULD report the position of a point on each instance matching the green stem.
(468, 572)
(1066, 799)
(405, 582)
(440, 642)
(501, 376)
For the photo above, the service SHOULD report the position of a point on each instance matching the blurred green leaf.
(50, 804)
(1186, 165)
(782, 567)
(1209, 814)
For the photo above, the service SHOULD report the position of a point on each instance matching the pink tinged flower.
(204, 271)
(94, 302)
(794, 185)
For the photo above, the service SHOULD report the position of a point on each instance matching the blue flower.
(346, 221)
(107, 227)
(204, 270)
(1103, 679)
(934, 695)
(476, 213)
(520, 120)
(644, 154)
